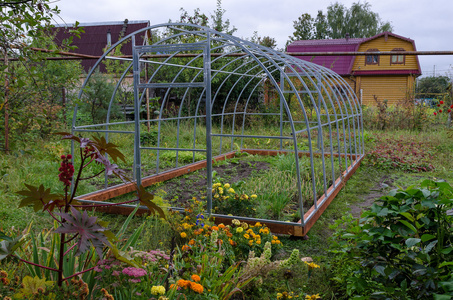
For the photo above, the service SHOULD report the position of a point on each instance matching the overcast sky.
(429, 23)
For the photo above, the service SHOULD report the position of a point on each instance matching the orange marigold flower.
(192, 242)
(185, 248)
(183, 283)
(195, 277)
(196, 287)
(183, 235)
(250, 242)
(221, 226)
(215, 228)
(3, 274)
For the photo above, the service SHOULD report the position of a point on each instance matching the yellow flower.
(258, 242)
(236, 222)
(257, 224)
(312, 297)
(183, 235)
(231, 191)
(227, 185)
(311, 265)
(246, 236)
(250, 242)
(279, 295)
(275, 237)
(220, 191)
(216, 196)
(253, 196)
(158, 290)
(239, 229)
(244, 225)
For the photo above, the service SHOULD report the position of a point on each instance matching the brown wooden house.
(386, 77)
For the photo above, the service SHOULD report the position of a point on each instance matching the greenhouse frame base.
(300, 231)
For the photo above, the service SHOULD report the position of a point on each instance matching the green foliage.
(149, 138)
(358, 21)
(401, 248)
(31, 87)
(183, 156)
(96, 98)
(432, 87)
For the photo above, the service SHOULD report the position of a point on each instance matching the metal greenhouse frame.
(319, 115)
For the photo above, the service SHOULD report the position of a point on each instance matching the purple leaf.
(87, 229)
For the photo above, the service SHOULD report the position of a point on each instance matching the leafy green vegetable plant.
(402, 247)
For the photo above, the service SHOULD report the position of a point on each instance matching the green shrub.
(400, 249)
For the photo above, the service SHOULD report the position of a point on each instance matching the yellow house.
(372, 77)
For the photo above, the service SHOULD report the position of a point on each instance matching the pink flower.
(134, 272)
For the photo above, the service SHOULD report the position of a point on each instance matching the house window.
(398, 59)
(372, 59)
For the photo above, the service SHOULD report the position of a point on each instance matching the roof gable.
(340, 64)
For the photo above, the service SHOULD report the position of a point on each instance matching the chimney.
(347, 36)
(109, 38)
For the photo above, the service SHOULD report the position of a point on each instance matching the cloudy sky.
(429, 23)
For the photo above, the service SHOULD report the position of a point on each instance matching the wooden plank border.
(339, 183)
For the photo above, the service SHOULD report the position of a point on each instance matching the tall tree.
(265, 41)
(303, 28)
(321, 26)
(358, 21)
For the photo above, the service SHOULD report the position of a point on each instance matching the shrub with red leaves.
(402, 153)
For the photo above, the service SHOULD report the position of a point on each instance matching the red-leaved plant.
(78, 231)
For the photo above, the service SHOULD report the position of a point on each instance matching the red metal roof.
(343, 64)
(94, 40)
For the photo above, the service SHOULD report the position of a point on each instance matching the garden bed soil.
(182, 189)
